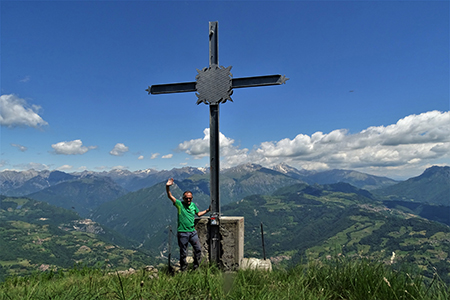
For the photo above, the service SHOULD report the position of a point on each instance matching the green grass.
(334, 279)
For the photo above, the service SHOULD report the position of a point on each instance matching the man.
(186, 230)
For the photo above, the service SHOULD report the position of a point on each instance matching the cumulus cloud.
(119, 150)
(412, 141)
(71, 147)
(15, 112)
(33, 165)
(101, 168)
(141, 157)
(154, 155)
(64, 168)
(119, 168)
(199, 148)
(167, 156)
(20, 147)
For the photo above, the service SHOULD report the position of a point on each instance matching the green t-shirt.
(186, 215)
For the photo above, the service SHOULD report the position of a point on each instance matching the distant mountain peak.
(283, 168)
(432, 187)
(444, 170)
(147, 171)
(248, 167)
(120, 172)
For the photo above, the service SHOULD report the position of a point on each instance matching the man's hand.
(169, 194)
(201, 213)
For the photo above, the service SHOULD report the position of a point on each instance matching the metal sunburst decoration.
(214, 85)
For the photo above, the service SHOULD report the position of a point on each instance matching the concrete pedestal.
(231, 240)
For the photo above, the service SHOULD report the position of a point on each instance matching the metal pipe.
(213, 43)
(214, 184)
(262, 238)
(214, 248)
(170, 246)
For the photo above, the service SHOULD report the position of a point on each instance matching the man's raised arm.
(169, 193)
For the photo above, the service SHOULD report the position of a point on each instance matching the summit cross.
(214, 85)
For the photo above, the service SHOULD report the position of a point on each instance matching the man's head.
(187, 197)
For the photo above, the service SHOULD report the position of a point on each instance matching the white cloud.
(199, 148)
(414, 141)
(33, 165)
(71, 147)
(20, 147)
(154, 155)
(167, 156)
(119, 150)
(3, 163)
(25, 79)
(15, 111)
(64, 168)
(119, 168)
(141, 157)
(102, 168)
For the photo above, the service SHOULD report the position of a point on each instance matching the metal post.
(214, 184)
(213, 43)
(262, 239)
(214, 243)
(170, 248)
(214, 158)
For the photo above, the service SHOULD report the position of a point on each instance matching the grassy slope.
(329, 279)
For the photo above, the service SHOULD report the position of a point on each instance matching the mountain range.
(431, 187)
(80, 194)
(306, 214)
(21, 183)
(84, 191)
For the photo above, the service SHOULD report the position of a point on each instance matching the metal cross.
(214, 85)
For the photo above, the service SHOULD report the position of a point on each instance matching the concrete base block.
(231, 240)
(256, 264)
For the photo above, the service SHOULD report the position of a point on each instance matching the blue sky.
(368, 87)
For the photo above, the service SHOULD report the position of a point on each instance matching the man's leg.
(197, 248)
(183, 240)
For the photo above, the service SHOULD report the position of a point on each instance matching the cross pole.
(214, 85)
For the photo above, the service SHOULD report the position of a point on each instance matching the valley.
(95, 219)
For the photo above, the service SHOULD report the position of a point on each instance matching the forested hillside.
(303, 222)
(81, 195)
(431, 187)
(38, 236)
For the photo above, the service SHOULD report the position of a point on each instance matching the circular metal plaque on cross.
(214, 85)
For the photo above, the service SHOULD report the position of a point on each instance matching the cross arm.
(258, 81)
(171, 88)
(243, 82)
